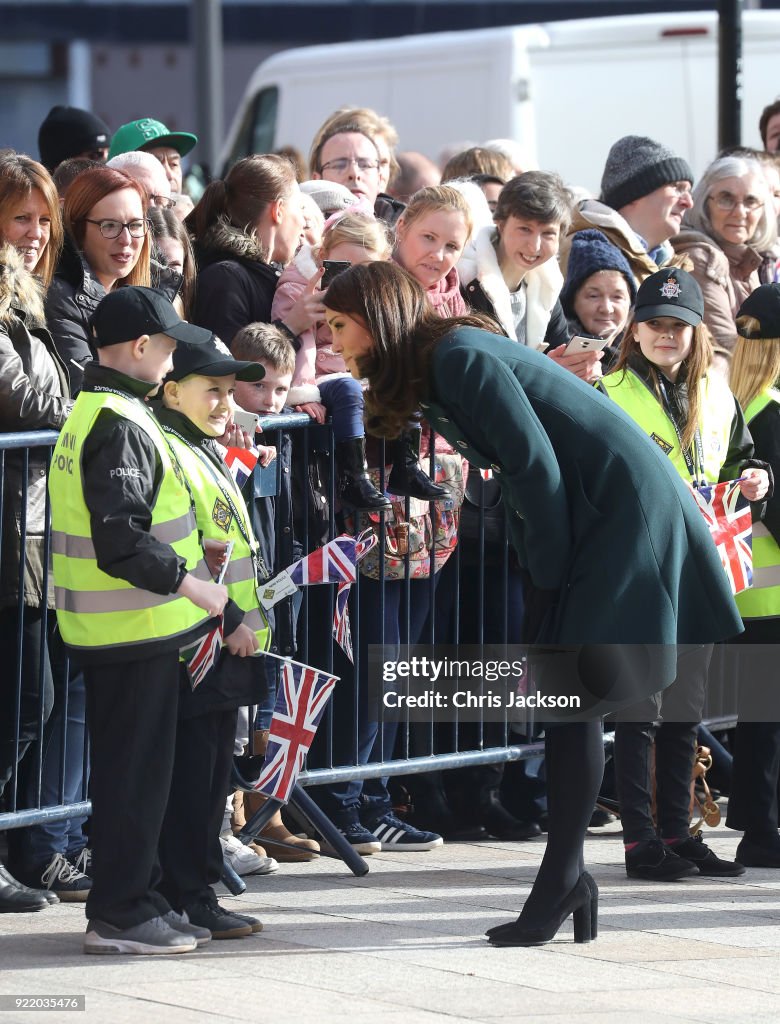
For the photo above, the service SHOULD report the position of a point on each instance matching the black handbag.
(485, 495)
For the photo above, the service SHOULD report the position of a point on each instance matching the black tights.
(574, 760)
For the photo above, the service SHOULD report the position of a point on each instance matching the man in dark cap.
(71, 132)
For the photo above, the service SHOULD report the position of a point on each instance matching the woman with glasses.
(725, 233)
(107, 245)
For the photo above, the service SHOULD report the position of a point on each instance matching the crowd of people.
(512, 369)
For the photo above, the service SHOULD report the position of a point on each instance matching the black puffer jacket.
(33, 396)
(72, 299)
(235, 285)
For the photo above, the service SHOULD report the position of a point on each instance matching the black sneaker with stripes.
(395, 834)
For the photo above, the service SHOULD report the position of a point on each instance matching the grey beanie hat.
(637, 166)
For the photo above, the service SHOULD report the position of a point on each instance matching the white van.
(565, 90)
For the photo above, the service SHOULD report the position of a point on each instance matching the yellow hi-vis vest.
(217, 520)
(762, 600)
(717, 412)
(96, 611)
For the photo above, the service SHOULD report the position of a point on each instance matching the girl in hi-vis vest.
(753, 798)
(662, 380)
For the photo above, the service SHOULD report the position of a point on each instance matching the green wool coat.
(597, 513)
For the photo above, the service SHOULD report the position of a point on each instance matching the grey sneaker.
(183, 924)
(154, 938)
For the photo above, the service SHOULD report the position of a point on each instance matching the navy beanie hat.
(591, 251)
(637, 166)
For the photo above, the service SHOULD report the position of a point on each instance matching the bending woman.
(581, 487)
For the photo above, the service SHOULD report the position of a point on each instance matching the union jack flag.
(300, 704)
(727, 513)
(203, 655)
(342, 631)
(334, 562)
(241, 462)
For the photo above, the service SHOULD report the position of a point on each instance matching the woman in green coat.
(619, 563)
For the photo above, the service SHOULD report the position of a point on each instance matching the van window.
(256, 134)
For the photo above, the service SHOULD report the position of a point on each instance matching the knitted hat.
(763, 305)
(637, 166)
(591, 251)
(69, 131)
(148, 132)
(329, 195)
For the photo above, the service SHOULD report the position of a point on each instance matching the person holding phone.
(663, 380)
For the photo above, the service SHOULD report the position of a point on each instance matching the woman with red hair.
(107, 245)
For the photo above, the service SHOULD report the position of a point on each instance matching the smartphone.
(246, 420)
(585, 343)
(332, 270)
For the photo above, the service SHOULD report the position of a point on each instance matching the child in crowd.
(272, 520)
(322, 383)
(197, 408)
(663, 381)
(122, 526)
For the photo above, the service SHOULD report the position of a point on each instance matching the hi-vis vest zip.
(641, 404)
(217, 521)
(762, 600)
(96, 611)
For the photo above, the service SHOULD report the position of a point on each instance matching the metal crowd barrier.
(61, 736)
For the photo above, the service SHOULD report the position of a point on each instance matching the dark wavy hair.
(405, 330)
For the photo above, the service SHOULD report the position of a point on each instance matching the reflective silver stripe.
(174, 529)
(239, 570)
(70, 546)
(760, 531)
(95, 601)
(766, 577)
(131, 600)
(255, 620)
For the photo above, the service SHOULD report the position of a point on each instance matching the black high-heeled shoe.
(581, 903)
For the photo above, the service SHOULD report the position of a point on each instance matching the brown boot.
(307, 849)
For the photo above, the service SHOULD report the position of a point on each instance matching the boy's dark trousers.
(131, 716)
(190, 851)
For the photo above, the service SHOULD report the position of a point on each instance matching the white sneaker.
(245, 861)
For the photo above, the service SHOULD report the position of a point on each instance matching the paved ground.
(404, 944)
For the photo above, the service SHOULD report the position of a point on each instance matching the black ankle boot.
(354, 484)
(500, 823)
(407, 476)
(582, 903)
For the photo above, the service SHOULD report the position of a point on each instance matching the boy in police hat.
(131, 588)
(197, 408)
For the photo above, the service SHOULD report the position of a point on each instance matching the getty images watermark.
(573, 682)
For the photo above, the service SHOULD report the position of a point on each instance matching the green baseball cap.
(146, 132)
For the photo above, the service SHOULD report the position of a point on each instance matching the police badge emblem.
(670, 289)
(663, 445)
(222, 515)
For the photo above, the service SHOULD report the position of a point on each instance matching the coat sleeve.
(499, 421)
(741, 447)
(765, 429)
(67, 325)
(23, 406)
(558, 328)
(710, 269)
(120, 505)
(286, 295)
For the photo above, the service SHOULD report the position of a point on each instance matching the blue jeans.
(343, 398)
(358, 736)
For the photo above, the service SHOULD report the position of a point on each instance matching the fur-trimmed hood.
(543, 286)
(222, 241)
(20, 291)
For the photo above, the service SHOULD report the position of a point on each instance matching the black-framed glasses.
(162, 202)
(343, 162)
(727, 201)
(114, 228)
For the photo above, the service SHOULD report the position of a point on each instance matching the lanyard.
(699, 480)
(225, 487)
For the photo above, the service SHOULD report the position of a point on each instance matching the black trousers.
(680, 706)
(753, 800)
(131, 716)
(190, 851)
